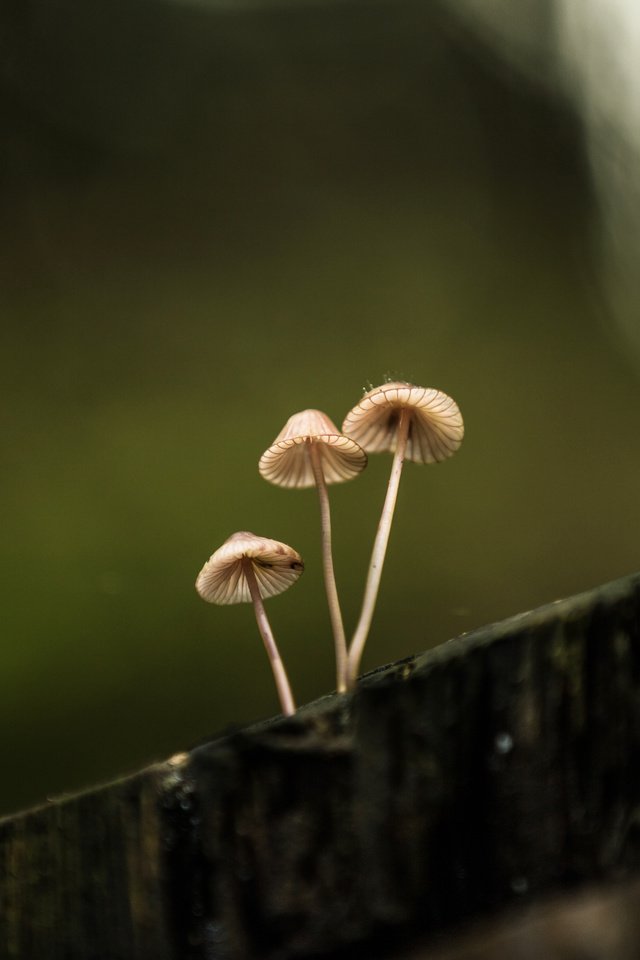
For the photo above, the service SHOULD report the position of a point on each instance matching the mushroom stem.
(337, 625)
(379, 550)
(279, 673)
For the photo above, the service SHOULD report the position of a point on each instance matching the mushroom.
(247, 568)
(310, 451)
(416, 423)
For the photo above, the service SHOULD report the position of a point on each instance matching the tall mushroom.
(247, 568)
(310, 451)
(416, 423)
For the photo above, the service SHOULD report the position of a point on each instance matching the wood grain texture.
(492, 771)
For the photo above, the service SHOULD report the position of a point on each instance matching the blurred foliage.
(237, 218)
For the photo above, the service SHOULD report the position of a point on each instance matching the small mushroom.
(310, 451)
(248, 568)
(416, 423)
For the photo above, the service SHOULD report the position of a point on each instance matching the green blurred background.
(213, 218)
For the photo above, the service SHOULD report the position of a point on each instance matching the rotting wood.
(496, 769)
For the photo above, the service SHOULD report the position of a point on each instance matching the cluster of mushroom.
(420, 424)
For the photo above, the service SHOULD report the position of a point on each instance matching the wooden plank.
(496, 769)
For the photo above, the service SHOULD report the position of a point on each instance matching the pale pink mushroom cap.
(222, 579)
(436, 428)
(287, 462)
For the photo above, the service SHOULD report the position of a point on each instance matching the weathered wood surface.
(497, 769)
(601, 923)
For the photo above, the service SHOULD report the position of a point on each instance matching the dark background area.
(212, 219)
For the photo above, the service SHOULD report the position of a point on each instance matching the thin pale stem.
(379, 550)
(279, 673)
(339, 637)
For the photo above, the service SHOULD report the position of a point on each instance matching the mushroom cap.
(287, 462)
(435, 432)
(222, 579)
